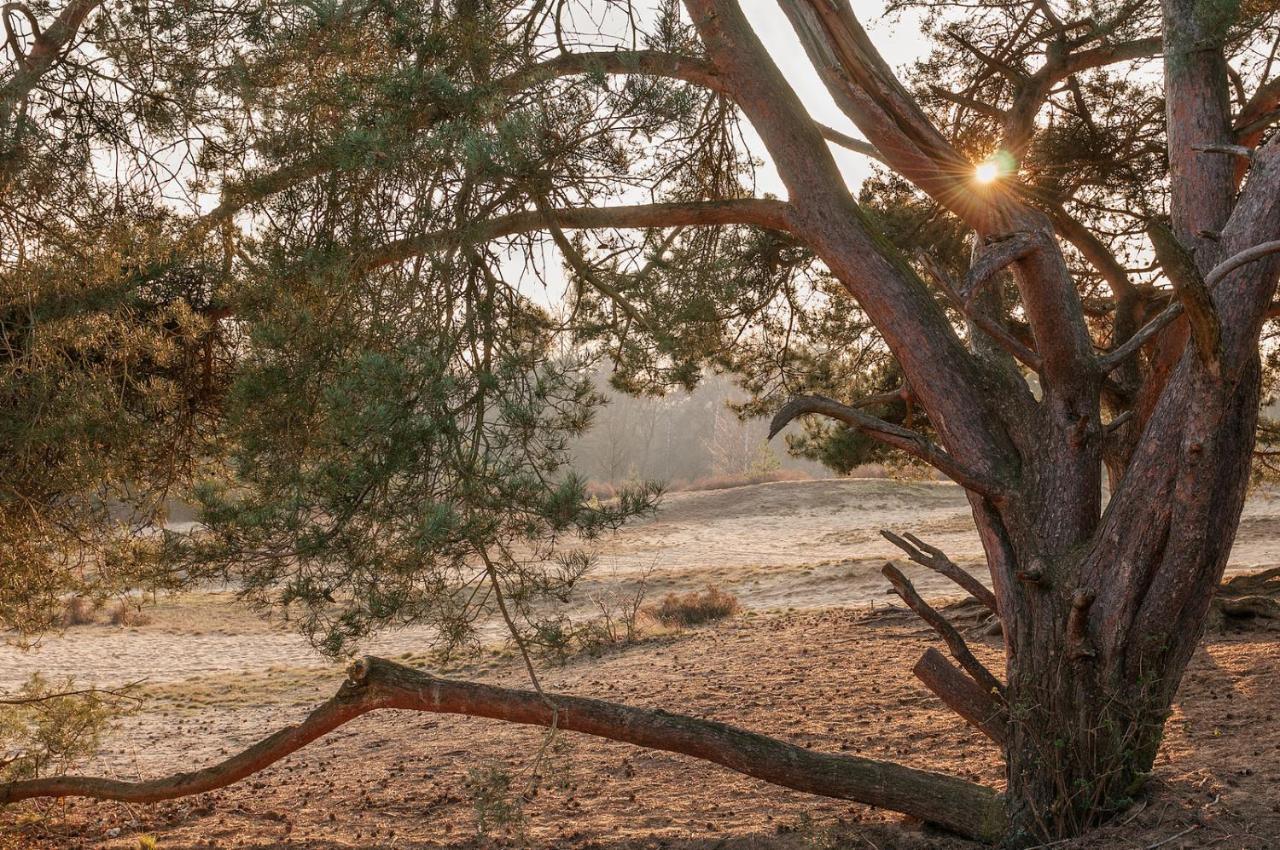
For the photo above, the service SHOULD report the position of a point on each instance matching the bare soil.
(818, 657)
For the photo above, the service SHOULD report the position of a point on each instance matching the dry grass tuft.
(80, 611)
(696, 607)
(724, 482)
(125, 614)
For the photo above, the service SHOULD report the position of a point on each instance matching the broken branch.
(935, 559)
(959, 649)
(1192, 292)
(962, 695)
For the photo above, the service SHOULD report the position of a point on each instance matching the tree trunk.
(1096, 656)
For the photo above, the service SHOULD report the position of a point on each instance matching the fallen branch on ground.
(964, 807)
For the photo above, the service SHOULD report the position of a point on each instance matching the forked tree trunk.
(1096, 658)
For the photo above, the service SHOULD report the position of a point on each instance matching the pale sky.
(900, 42)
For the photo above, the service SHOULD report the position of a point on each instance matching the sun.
(987, 172)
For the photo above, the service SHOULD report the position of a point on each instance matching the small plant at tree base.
(498, 806)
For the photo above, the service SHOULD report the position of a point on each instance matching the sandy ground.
(807, 661)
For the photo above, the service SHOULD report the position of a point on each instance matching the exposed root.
(1248, 599)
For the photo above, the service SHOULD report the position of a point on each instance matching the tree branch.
(45, 51)
(888, 115)
(996, 255)
(584, 271)
(988, 324)
(1180, 267)
(759, 212)
(844, 140)
(935, 559)
(374, 683)
(963, 695)
(615, 62)
(1216, 275)
(959, 649)
(889, 434)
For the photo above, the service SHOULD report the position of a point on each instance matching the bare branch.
(986, 323)
(1119, 421)
(844, 140)
(1235, 261)
(1227, 150)
(889, 434)
(935, 559)
(959, 649)
(1161, 321)
(775, 215)
(963, 695)
(374, 683)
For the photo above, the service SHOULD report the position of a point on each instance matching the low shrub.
(80, 611)
(498, 806)
(696, 607)
(724, 482)
(125, 614)
(600, 491)
(48, 727)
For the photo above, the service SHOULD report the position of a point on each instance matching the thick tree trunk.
(1092, 672)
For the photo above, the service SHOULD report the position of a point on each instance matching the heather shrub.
(696, 607)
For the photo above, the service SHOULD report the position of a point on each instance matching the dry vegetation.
(696, 608)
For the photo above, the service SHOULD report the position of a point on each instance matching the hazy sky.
(899, 41)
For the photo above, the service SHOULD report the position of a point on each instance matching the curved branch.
(997, 254)
(374, 683)
(889, 434)
(1168, 314)
(984, 321)
(758, 212)
(45, 49)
